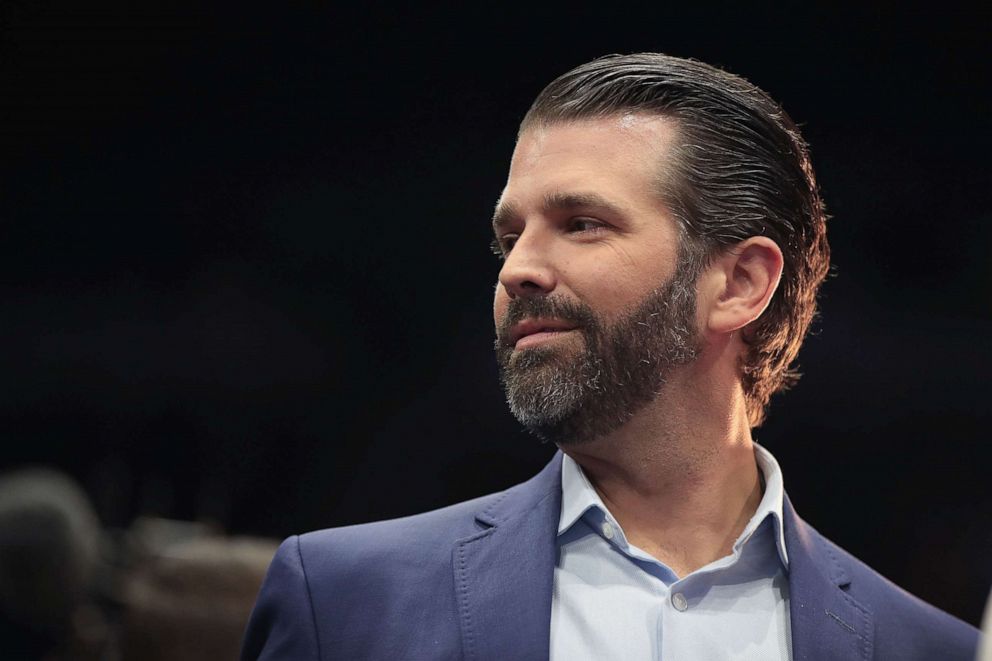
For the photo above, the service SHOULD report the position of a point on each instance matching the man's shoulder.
(322, 585)
(394, 564)
(902, 620)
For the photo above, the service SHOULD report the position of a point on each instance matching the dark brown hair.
(740, 168)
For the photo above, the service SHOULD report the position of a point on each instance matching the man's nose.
(527, 270)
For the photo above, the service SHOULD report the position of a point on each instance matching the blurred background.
(245, 283)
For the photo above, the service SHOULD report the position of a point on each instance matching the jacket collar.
(827, 622)
(504, 575)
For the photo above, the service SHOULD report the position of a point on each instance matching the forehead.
(618, 157)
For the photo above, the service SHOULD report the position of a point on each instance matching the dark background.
(246, 279)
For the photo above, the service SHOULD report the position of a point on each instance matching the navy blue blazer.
(474, 580)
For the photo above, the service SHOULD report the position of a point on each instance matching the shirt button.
(679, 602)
(608, 530)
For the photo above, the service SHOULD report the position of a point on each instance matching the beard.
(569, 396)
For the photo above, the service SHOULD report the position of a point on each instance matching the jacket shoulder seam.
(306, 585)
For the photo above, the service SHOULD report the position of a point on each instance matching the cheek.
(613, 287)
(609, 289)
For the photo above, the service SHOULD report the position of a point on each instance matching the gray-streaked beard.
(566, 395)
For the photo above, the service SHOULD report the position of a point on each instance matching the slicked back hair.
(739, 168)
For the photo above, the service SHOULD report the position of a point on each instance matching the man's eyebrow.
(504, 215)
(507, 212)
(560, 201)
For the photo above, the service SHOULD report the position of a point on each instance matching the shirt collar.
(578, 496)
(771, 502)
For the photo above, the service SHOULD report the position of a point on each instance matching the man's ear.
(740, 282)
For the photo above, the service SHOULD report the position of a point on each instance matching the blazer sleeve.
(282, 624)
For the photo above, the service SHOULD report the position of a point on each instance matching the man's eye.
(503, 245)
(585, 225)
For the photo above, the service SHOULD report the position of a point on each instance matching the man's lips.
(537, 329)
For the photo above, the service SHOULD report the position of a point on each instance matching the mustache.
(549, 307)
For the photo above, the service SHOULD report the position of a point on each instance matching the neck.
(680, 477)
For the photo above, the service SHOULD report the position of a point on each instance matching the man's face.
(592, 309)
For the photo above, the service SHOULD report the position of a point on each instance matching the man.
(664, 241)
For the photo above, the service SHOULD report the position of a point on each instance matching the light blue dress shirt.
(614, 601)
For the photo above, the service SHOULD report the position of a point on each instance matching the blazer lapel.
(827, 623)
(504, 573)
